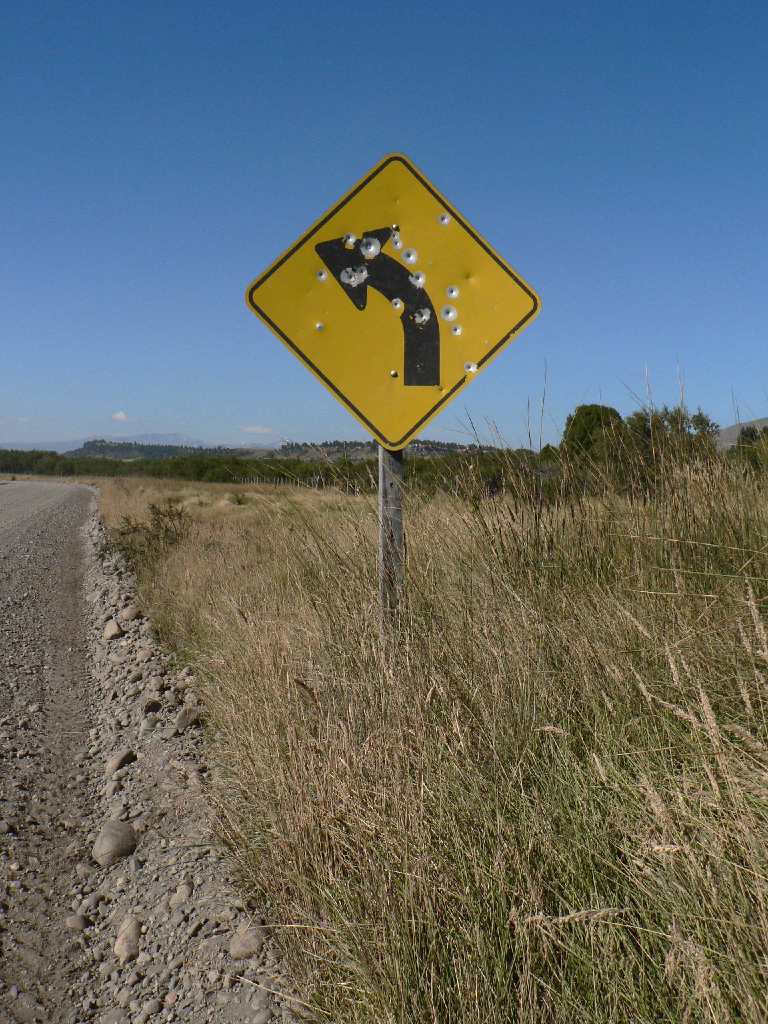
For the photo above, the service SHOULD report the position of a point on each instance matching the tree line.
(598, 447)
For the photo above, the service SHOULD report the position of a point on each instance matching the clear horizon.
(157, 159)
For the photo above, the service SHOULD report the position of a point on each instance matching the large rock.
(149, 1009)
(116, 840)
(115, 1016)
(182, 894)
(246, 943)
(128, 936)
(91, 903)
(130, 613)
(119, 760)
(76, 922)
(112, 631)
(189, 715)
(148, 725)
(155, 684)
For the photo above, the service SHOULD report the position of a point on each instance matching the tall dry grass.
(548, 801)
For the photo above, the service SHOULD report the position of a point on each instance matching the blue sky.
(157, 156)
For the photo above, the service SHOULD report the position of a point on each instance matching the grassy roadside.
(550, 805)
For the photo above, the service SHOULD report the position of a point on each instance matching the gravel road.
(117, 905)
(44, 722)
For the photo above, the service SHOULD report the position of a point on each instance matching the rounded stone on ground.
(119, 760)
(123, 997)
(130, 613)
(148, 725)
(112, 630)
(116, 1016)
(90, 903)
(182, 894)
(246, 943)
(149, 1009)
(76, 923)
(188, 715)
(116, 840)
(127, 943)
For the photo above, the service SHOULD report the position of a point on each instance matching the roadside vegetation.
(596, 434)
(547, 798)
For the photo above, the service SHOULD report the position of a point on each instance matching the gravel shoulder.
(116, 904)
(44, 723)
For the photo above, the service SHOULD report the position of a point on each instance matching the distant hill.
(330, 451)
(177, 440)
(38, 446)
(730, 435)
(75, 444)
(128, 450)
(167, 446)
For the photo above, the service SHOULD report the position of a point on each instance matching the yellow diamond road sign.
(393, 301)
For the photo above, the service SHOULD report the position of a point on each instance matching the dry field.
(549, 803)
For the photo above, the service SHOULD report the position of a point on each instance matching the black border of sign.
(403, 441)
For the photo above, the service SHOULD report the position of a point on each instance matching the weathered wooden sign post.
(395, 303)
(391, 535)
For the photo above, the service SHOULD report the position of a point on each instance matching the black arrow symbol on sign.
(364, 264)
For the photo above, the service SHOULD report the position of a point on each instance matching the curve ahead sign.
(393, 301)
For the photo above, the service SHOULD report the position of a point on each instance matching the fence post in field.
(391, 534)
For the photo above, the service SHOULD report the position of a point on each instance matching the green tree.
(654, 430)
(748, 436)
(549, 455)
(592, 430)
(751, 447)
(704, 426)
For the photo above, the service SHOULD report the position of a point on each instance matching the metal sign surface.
(393, 301)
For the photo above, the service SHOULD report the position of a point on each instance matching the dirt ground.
(44, 723)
